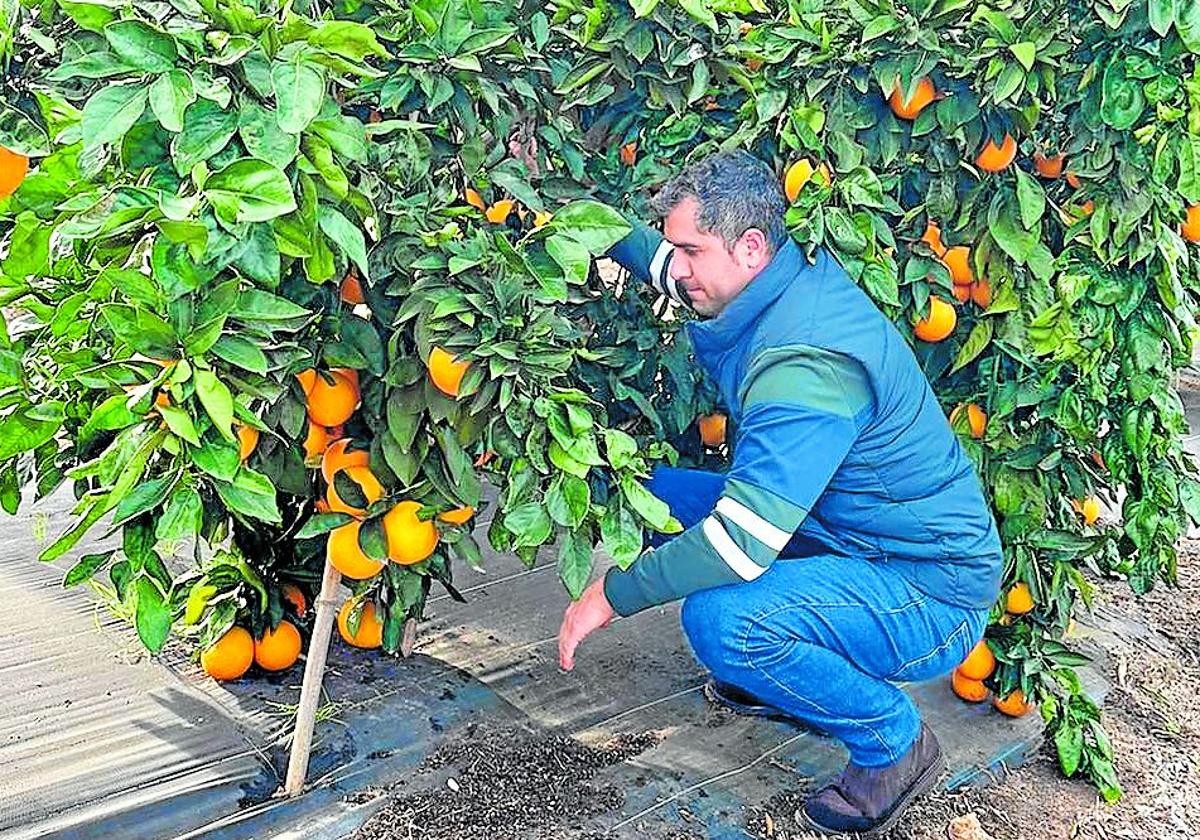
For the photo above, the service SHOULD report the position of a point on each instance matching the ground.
(511, 784)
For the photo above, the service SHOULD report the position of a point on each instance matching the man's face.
(709, 273)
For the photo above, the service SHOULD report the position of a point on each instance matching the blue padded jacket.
(842, 448)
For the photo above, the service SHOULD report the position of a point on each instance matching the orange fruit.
(958, 260)
(1098, 459)
(367, 483)
(933, 238)
(1019, 600)
(1088, 508)
(351, 289)
(475, 199)
(1191, 225)
(993, 158)
(939, 323)
(307, 378)
(979, 664)
(346, 555)
(498, 212)
(973, 691)
(458, 516)
(446, 371)
(315, 441)
(485, 459)
(370, 628)
(1049, 167)
(628, 153)
(962, 294)
(230, 656)
(754, 64)
(976, 422)
(247, 439)
(922, 96)
(799, 174)
(289, 593)
(337, 456)
(1073, 180)
(332, 402)
(410, 540)
(1087, 208)
(13, 168)
(278, 649)
(1014, 705)
(321, 506)
(712, 428)
(981, 293)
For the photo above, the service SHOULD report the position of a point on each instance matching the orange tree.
(257, 218)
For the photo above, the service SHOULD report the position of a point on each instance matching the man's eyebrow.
(687, 246)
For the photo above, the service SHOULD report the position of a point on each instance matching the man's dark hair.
(734, 191)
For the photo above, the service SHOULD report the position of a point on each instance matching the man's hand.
(591, 612)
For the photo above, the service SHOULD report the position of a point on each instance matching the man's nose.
(680, 268)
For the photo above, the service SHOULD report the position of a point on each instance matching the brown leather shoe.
(869, 800)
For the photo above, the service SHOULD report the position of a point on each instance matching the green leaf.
(594, 225)
(976, 343)
(217, 401)
(1069, 742)
(1011, 78)
(241, 352)
(87, 566)
(1031, 198)
(141, 330)
(881, 284)
(22, 433)
(575, 562)
(250, 190)
(170, 95)
(198, 597)
(529, 523)
(878, 27)
(180, 423)
(621, 533)
(152, 614)
(142, 46)
(145, 496)
(255, 305)
(111, 112)
(650, 508)
(1187, 24)
(181, 517)
(573, 257)
(251, 494)
(264, 139)
(299, 94)
(1121, 100)
(207, 130)
(352, 40)
(322, 523)
(345, 135)
(621, 448)
(346, 235)
(1026, 53)
(1161, 16)
(218, 458)
(643, 8)
(92, 65)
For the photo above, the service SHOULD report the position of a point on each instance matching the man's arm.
(646, 254)
(798, 424)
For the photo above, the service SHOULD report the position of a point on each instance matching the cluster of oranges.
(967, 681)
(231, 656)
(498, 211)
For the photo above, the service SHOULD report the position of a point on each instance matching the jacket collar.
(719, 334)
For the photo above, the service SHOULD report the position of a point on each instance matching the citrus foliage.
(225, 195)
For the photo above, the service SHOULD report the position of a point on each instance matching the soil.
(504, 784)
(526, 786)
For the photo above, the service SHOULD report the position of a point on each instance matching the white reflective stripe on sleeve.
(734, 557)
(753, 524)
(658, 262)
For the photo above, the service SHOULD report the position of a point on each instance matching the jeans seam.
(958, 631)
(743, 648)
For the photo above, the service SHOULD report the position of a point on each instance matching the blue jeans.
(823, 637)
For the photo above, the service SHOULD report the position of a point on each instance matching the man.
(849, 547)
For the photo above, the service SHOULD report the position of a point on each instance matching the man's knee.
(716, 625)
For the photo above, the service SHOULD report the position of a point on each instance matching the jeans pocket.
(942, 659)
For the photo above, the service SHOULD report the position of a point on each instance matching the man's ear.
(753, 247)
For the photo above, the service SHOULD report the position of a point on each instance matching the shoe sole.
(770, 713)
(922, 785)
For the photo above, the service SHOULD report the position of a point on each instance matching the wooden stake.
(314, 673)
